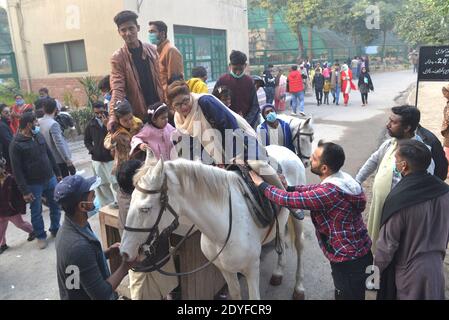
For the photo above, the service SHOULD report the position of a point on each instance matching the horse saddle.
(263, 210)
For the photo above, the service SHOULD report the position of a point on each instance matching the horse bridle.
(153, 239)
(297, 136)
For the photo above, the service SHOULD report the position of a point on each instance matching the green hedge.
(81, 118)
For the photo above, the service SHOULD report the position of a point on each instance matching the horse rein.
(297, 137)
(165, 205)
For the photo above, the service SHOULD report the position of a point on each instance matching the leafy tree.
(424, 22)
(306, 13)
(349, 17)
(271, 7)
(389, 12)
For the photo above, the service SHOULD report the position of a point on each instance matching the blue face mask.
(20, 102)
(272, 117)
(36, 130)
(153, 38)
(95, 210)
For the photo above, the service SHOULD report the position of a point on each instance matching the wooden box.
(202, 285)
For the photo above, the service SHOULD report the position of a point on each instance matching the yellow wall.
(52, 21)
(46, 22)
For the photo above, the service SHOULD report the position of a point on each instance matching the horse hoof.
(299, 295)
(276, 280)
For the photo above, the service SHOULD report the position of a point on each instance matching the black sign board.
(434, 64)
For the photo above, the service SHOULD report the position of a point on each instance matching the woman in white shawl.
(346, 83)
(224, 135)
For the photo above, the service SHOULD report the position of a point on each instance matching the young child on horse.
(156, 135)
(119, 142)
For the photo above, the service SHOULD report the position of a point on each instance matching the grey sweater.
(52, 133)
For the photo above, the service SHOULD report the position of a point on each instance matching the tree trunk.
(384, 45)
(310, 43)
(300, 42)
(270, 45)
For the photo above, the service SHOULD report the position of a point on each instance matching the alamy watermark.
(72, 282)
(372, 21)
(73, 17)
(373, 280)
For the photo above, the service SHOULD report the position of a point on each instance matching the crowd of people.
(323, 79)
(149, 109)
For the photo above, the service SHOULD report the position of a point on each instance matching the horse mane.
(208, 181)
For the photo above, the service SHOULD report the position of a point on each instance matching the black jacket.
(6, 136)
(365, 87)
(94, 142)
(270, 81)
(438, 155)
(32, 161)
(77, 248)
(318, 82)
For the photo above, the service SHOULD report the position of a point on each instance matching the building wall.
(229, 15)
(51, 21)
(48, 21)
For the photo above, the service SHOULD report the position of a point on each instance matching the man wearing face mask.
(78, 250)
(134, 71)
(17, 110)
(244, 99)
(274, 130)
(35, 170)
(415, 230)
(171, 63)
(402, 125)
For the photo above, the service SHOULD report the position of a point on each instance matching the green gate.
(204, 50)
(8, 68)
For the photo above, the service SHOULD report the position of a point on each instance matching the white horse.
(303, 135)
(207, 196)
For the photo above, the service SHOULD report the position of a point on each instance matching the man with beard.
(415, 230)
(402, 125)
(336, 207)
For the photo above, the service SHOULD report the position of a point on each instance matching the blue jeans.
(336, 94)
(298, 99)
(46, 189)
(269, 91)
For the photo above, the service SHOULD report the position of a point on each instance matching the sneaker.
(293, 113)
(31, 236)
(3, 248)
(42, 243)
(54, 233)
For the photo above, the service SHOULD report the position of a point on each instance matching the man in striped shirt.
(336, 207)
